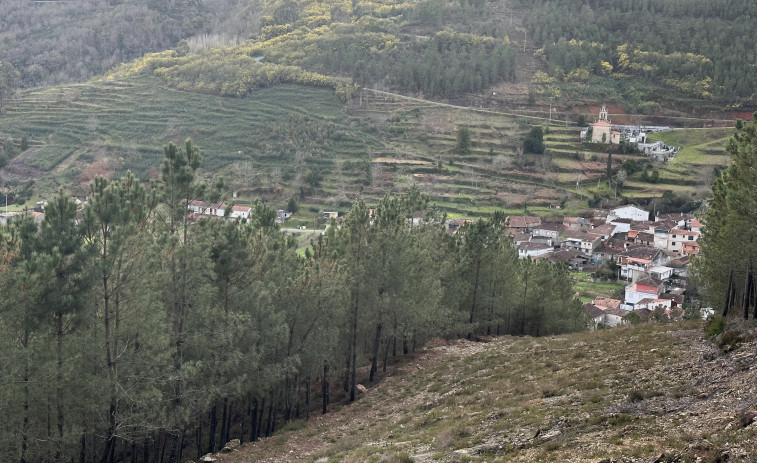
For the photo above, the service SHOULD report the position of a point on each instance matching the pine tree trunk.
(353, 372)
(260, 419)
(181, 443)
(386, 355)
(146, 452)
(747, 288)
(83, 447)
(325, 386)
(254, 421)
(307, 398)
(376, 346)
(198, 439)
(347, 373)
(212, 428)
(59, 387)
(269, 423)
(224, 417)
(475, 294)
(25, 422)
(228, 423)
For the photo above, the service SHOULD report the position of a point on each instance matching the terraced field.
(294, 141)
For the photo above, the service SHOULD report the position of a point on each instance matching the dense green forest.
(54, 42)
(133, 333)
(341, 45)
(700, 48)
(635, 49)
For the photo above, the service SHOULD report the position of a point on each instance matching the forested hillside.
(134, 334)
(52, 42)
(400, 45)
(697, 48)
(644, 52)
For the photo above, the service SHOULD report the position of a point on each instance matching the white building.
(628, 212)
(241, 212)
(678, 239)
(533, 249)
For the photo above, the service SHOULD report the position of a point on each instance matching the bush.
(635, 396)
(730, 340)
(715, 326)
(400, 458)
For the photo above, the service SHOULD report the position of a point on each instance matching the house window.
(691, 238)
(674, 243)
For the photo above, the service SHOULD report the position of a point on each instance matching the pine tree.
(729, 240)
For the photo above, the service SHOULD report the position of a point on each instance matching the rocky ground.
(640, 394)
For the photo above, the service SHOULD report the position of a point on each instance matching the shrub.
(715, 326)
(730, 340)
(398, 458)
(635, 396)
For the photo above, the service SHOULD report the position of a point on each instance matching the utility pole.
(525, 33)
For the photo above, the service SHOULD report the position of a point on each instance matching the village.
(650, 255)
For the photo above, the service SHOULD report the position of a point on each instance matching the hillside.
(328, 101)
(299, 141)
(645, 393)
(52, 42)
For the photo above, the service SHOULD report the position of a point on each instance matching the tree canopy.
(725, 268)
(534, 141)
(135, 332)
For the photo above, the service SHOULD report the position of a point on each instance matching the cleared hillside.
(645, 393)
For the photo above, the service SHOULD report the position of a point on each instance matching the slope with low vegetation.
(297, 141)
(643, 393)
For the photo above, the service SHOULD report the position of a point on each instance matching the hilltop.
(643, 393)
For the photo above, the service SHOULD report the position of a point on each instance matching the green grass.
(588, 289)
(699, 146)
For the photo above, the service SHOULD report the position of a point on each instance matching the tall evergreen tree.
(729, 239)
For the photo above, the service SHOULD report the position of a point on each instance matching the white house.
(621, 225)
(533, 249)
(645, 288)
(584, 242)
(548, 230)
(241, 212)
(216, 209)
(678, 238)
(608, 317)
(628, 212)
(636, 261)
(605, 231)
(661, 272)
(651, 304)
(197, 206)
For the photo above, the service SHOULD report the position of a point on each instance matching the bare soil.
(19, 170)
